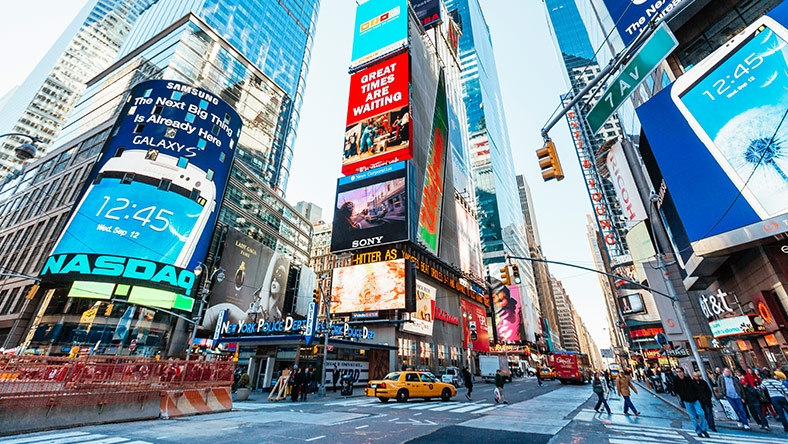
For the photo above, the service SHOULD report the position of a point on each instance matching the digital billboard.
(150, 202)
(428, 11)
(474, 319)
(631, 303)
(371, 208)
(633, 16)
(624, 184)
(381, 27)
(432, 196)
(378, 129)
(368, 287)
(470, 249)
(508, 313)
(421, 320)
(254, 284)
(730, 181)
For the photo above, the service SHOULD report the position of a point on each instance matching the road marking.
(393, 419)
(362, 427)
(417, 414)
(43, 437)
(353, 402)
(316, 438)
(448, 406)
(487, 409)
(470, 407)
(426, 406)
(105, 440)
(72, 439)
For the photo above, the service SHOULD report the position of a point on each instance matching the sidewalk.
(673, 401)
(258, 396)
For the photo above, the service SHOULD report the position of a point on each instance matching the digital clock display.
(739, 104)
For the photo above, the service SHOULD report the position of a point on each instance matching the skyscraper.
(502, 227)
(42, 104)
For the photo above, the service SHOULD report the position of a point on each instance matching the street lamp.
(218, 274)
(25, 151)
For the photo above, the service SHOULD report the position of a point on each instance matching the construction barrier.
(193, 402)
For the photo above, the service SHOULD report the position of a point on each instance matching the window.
(411, 377)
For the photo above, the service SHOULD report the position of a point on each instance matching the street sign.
(311, 323)
(645, 60)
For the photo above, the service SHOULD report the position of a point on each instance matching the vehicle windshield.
(426, 377)
(392, 377)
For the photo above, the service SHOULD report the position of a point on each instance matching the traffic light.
(316, 296)
(108, 311)
(549, 163)
(516, 274)
(505, 278)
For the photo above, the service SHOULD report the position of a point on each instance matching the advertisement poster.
(421, 320)
(432, 197)
(254, 284)
(368, 287)
(631, 303)
(428, 11)
(624, 184)
(632, 17)
(378, 118)
(508, 313)
(371, 209)
(474, 319)
(381, 27)
(470, 249)
(358, 370)
(150, 204)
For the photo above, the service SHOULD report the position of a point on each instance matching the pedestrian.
(752, 398)
(335, 378)
(732, 390)
(623, 386)
(779, 396)
(499, 396)
(704, 396)
(687, 390)
(305, 382)
(539, 376)
(298, 379)
(599, 389)
(468, 380)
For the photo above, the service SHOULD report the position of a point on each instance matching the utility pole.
(326, 334)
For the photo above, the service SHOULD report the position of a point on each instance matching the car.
(452, 376)
(547, 373)
(409, 384)
(531, 371)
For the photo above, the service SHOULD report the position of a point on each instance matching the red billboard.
(474, 319)
(378, 116)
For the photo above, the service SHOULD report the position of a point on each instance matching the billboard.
(378, 129)
(624, 184)
(381, 27)
(368, 287)
(633, 16)
(421, 320)
(739, 325)
(474, 319)
(150, 202)
(371, 208)
(432, 196)
(631, 303)
(428, 11)
(508, 313)
(729, 183)
(470, 249)
(255, 282)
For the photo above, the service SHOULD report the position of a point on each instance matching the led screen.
(368, 287)
(421, 320)
(428, 11)
(468, 239)
(381, 27)
(474, 319)
(151, 200)
(432, 196)
(631, 17)
(631, 303)
(370, 209)
(508, 313)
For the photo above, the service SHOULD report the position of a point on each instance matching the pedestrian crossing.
(638, 434)
(475, 407)
(69, 438)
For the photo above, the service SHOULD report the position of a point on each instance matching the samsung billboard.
(723, 158)
(150, 203)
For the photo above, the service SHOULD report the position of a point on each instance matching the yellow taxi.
(546, 373)
(408, 384)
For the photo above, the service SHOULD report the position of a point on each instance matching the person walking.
(539, 376)
(298, 377)
(752, 398)
(779, 396)
(467, 378)
(335, 378)
(704, 396)
(687, 391)
(306, 380)
(599, 389)
(499, 388)
(732, 390)
(623, 386)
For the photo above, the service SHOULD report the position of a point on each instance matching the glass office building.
(275, 36)
(501, 218)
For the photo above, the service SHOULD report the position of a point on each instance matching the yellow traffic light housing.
(316, 296)
(516, 274)
(505, 278)
(108, 311)
(549, 163)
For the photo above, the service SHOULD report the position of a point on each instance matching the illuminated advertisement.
(631, 303)
(633, 16)
(371, 208)
(508, 313)
(470, 249)
(378, 118)
(368, 287)
(151, 200)
(730, 183)
(428, 11)
(421, 320)
(624, 184)
(740, 325)
(381, 27)
(254, 284)
(432, 197)
(474, 325)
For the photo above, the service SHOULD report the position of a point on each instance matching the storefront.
(743, 334)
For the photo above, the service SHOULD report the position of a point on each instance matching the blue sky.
(531, 81)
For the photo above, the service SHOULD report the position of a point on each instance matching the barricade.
(194, 402)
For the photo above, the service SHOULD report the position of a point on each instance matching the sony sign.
(624, 183)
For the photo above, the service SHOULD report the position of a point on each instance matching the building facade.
(311, 211)
(567, 317)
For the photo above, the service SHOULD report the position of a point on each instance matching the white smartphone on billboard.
(735, 100)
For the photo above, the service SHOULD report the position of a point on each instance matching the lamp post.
(25, 151)
(217, 273)
(24, 307)
(326, 332)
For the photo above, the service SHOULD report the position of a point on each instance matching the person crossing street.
(599, 389)
(732, 390)
(623, 387)
(499, 388)
(687, 390)
(468, 380)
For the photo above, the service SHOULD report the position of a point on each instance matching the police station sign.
(290, 325)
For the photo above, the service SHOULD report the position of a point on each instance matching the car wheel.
(402, 395)
(384, 400)
(446, 395)
(428, 399)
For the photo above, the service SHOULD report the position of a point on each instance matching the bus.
(572, 367)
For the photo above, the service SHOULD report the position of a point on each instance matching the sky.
(531, 81)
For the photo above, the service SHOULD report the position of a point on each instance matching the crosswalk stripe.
(487, 409)
(32, 439)
(634, 440)
(649, 428)
(57, 439)
(352, 402)
(470, 407)
(447, 406)
(106, 440)
(426, 406)
(731, 438)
